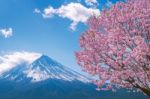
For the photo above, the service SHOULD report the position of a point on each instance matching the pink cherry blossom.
(116, 47)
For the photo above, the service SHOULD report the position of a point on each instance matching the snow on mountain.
(43, 68)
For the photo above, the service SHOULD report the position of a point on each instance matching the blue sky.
(52, 36)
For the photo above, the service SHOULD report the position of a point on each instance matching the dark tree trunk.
(146, 91)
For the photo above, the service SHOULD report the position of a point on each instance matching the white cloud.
(12, 59)
(6, 32)
(75, 12)
(36, 10)
(48, 12)
(91, 2)
(109, 3)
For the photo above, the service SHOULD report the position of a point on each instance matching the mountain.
(42, 69)
(46, 78)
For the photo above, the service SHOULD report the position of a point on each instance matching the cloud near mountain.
(12, 59)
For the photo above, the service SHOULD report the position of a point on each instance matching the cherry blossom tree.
(116, 47)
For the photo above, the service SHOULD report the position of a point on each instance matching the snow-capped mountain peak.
(43, 68)
(47, 61)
